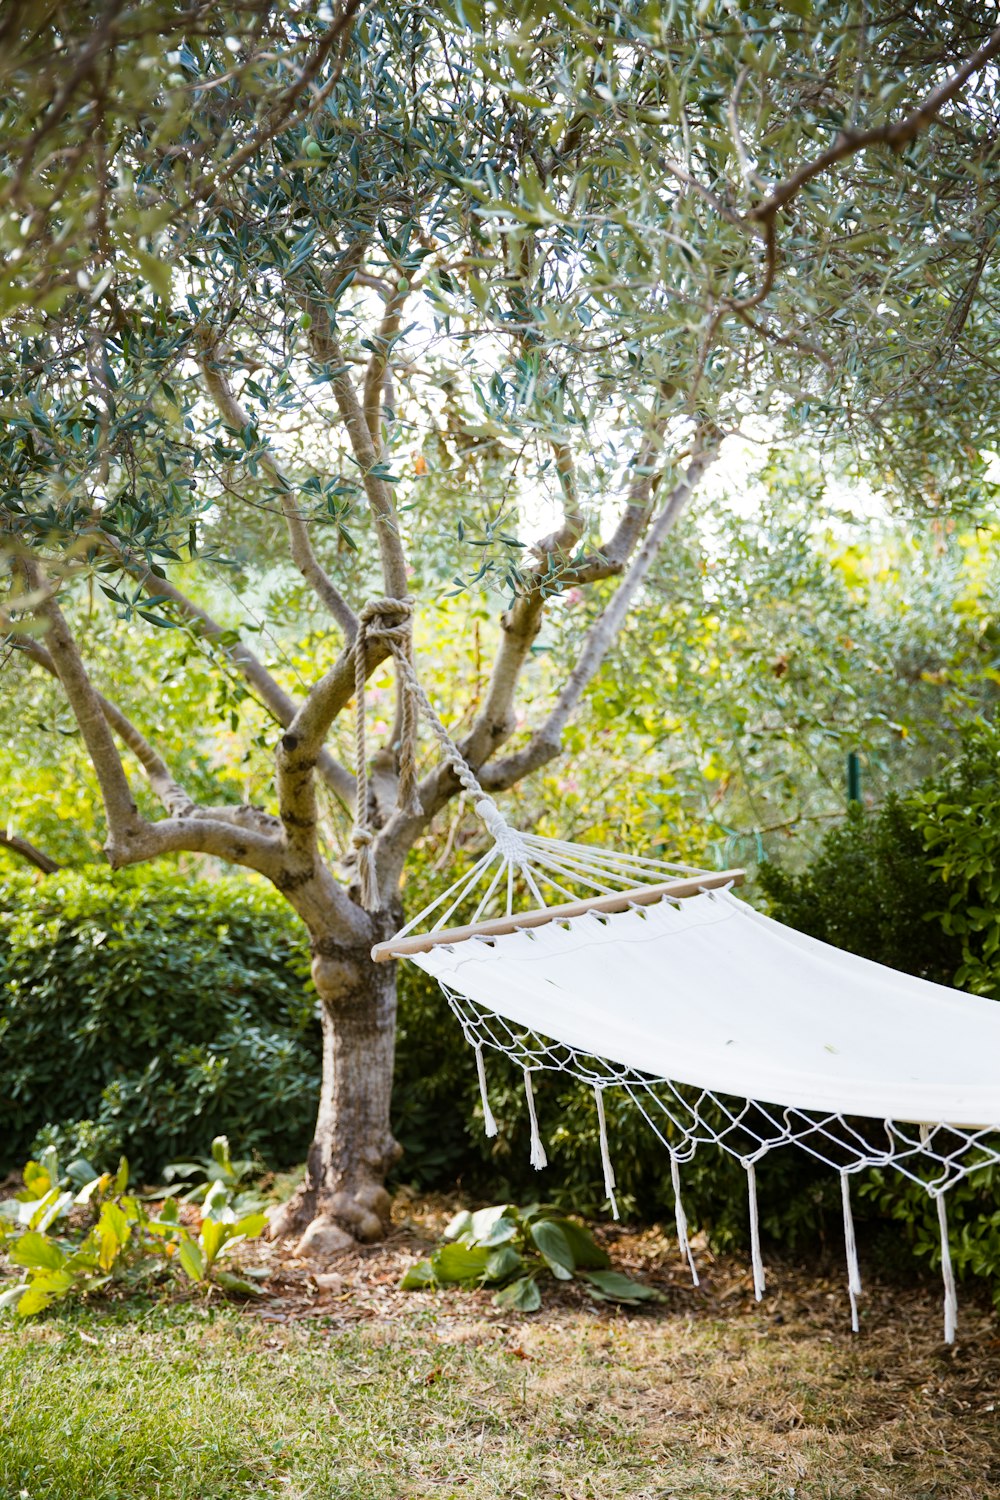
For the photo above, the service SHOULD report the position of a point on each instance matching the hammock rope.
(649, 922)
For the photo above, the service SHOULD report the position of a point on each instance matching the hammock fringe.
(537, 1158)
(655, 929)
(851, 1251)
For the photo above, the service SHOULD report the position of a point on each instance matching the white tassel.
(489, 1123)
(759, 1284)
(538, 1158)
(609, 1171)
(948, 1273)
(851, 1248)
(680, 1218)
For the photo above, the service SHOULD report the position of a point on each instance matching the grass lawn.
(344, 1386)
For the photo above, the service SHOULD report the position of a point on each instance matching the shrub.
(916, 885)
(141, 1013)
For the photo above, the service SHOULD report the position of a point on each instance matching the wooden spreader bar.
(642, 895)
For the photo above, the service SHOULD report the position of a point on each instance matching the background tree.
(472, 276)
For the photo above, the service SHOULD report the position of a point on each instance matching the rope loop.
(391, 622)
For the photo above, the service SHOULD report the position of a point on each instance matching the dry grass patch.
(339, 1385)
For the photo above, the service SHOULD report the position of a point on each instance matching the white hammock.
(721, 1025)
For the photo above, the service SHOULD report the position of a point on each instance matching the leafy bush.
(143, 1012)
(513, 1248)
(916, 885)
(73, 1234)
(872, 890)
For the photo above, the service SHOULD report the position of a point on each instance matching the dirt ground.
(778, 1397)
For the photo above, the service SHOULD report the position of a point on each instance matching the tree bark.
(343, 1198)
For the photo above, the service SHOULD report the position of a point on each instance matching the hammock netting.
(720, 1025)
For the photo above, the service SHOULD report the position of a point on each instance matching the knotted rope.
(389, 621)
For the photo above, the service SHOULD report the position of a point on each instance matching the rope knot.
(390, 621)
(507, 839)
(387, 619)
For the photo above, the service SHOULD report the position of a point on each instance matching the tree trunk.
(343, 1198)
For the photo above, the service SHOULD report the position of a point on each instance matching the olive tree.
(397, 283)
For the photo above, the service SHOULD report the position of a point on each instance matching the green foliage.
(872, 890)
(141, 1011)
(74, 1234)
(973, 1223)
(221, 1179)
(914, 885)
(511, 1248)
(958, 819)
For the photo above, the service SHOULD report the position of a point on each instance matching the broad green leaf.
(220, 1154)
(458, 1226)
(521, 1296)
(216, 1203)
(37, 1182)
(587, 1253)
(80, 1172)
(35, 1250)
(459, 1263)
(191, 1259)
(237, 1285)
(34, 1300)
(554, 1248)
(251, 1225)
(52, 1207)
(213, 1236)
(113, 1231)
(418, 1277)
(503, 1264)
(504, 1230)
(613, 1286)
(483, 1222)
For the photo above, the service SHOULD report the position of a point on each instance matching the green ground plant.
(73, 1233)
(513, 1249)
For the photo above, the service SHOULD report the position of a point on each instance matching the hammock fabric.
(722, 1026)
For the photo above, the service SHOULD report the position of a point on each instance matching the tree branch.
(174, 799)
(327, 351)
(378, 364)
(125, 824)
(546, 742)
(494, 723)
(33, 855)
(237, 418)
(279, 705)
(570, 531)
(896, 135)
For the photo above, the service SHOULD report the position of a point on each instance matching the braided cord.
(391, 621)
